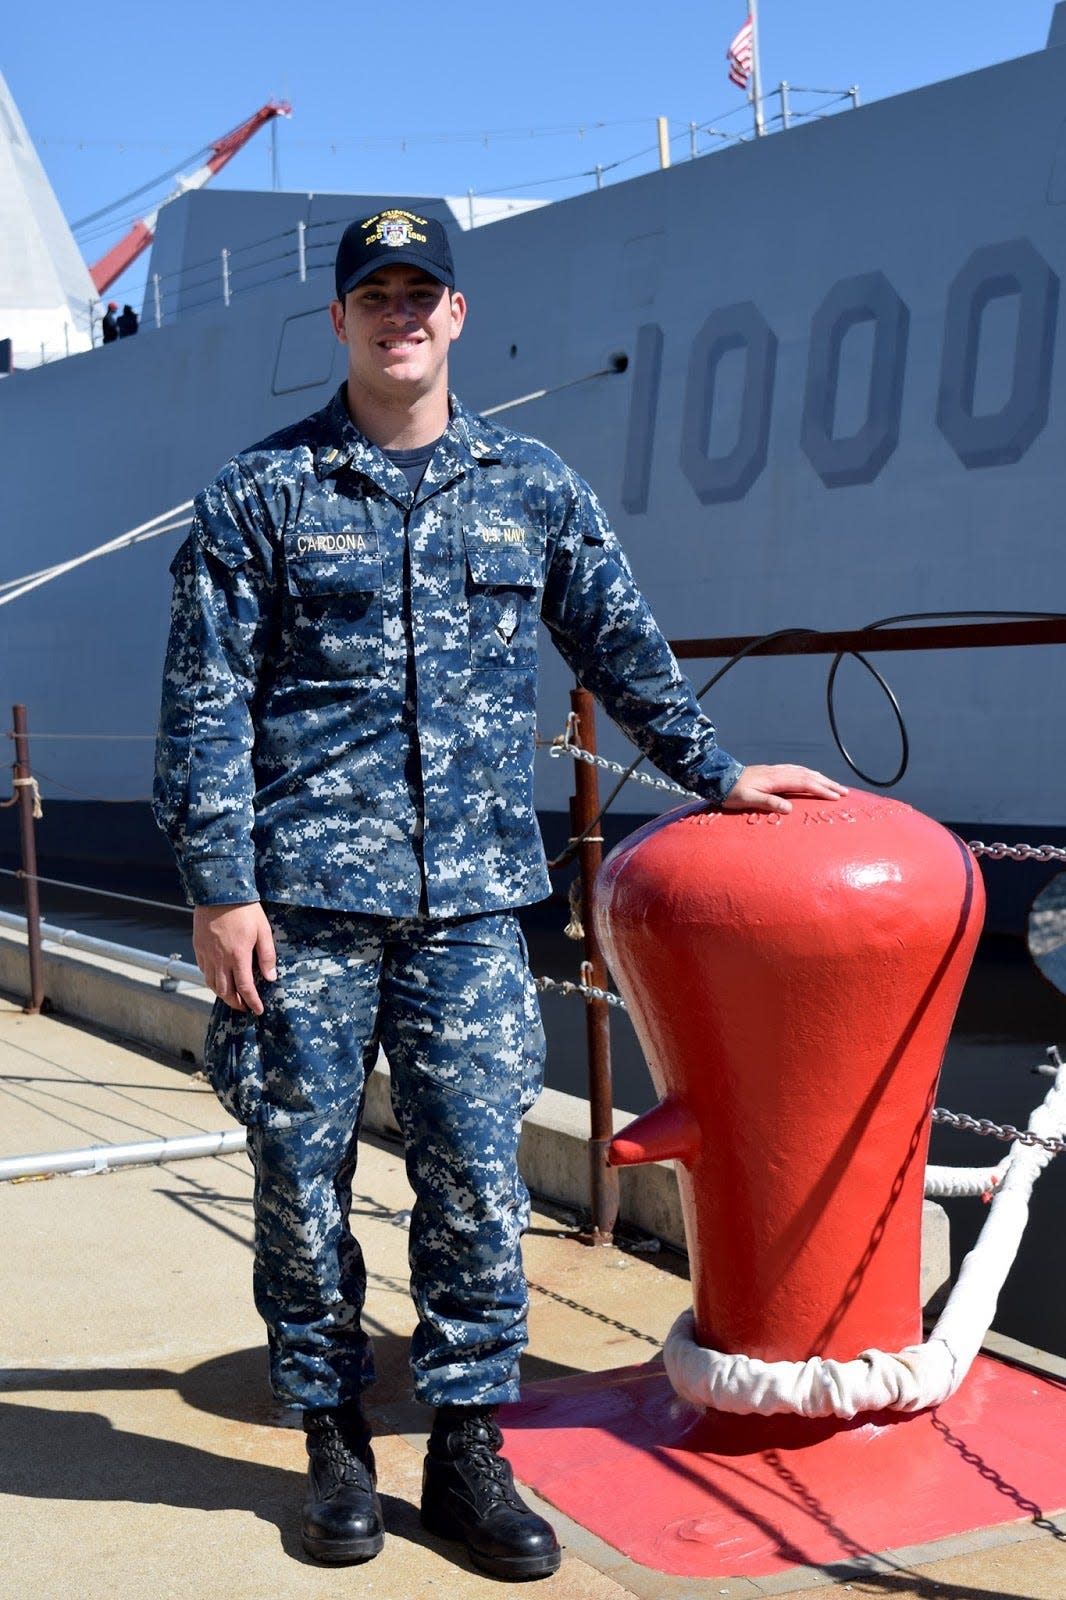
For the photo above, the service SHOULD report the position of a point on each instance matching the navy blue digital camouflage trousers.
(455, 1009)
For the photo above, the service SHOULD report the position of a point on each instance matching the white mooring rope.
(917, 1377)
(166, 522)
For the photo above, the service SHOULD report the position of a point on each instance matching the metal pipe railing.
(103, 1157)
(168, 968)
(1048, 628)
(25, 791)
(584, 809)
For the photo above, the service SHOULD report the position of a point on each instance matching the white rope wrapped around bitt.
(874, 1381)
(913, 1379)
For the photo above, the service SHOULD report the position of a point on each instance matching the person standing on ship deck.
(344, 768)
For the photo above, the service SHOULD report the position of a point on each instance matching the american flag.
(739, 57)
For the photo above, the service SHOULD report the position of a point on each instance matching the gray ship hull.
(841, 399)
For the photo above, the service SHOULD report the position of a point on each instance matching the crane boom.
(121, 255)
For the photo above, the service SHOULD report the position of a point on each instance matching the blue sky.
(435, 99)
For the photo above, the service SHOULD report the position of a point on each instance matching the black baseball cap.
(390, 237)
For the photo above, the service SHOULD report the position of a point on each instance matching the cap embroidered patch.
(395, 229)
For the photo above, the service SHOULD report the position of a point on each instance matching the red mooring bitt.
(793, 980)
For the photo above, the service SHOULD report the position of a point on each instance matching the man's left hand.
(765, 788)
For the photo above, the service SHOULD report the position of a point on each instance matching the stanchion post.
(28, 846)
(584, 808)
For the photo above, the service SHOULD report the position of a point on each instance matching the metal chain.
(587, 991)
(952, 1119)
(997, 851)
(1018, 852)
(561, 748)
(1009, 1134)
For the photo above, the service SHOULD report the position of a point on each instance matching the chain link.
(952, 1119)
(587, 991)
(997, 851)
(994, 1130)
(1018, 852)
(560, 747)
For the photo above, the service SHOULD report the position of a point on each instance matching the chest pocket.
(337, 628)
(503, 598)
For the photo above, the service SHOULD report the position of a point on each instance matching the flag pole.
(756, 73)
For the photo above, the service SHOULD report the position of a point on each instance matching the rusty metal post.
(24, 789)
(584, 808)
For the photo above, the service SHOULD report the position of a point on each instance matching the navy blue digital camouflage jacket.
(350, 684)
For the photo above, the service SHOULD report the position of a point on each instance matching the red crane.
(121, 255)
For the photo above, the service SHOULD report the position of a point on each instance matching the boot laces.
(347, 1466)
(476, 1446)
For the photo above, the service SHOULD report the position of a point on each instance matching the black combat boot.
(342, 1513)
(468, 1493)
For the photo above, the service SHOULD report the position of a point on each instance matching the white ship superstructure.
(46, 294)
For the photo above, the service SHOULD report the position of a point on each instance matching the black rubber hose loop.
(904, 741)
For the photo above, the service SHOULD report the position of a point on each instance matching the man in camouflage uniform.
(345, 769)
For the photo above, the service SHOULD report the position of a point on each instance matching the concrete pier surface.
(141, 1453)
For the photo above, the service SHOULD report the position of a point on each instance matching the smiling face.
(398, 326)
